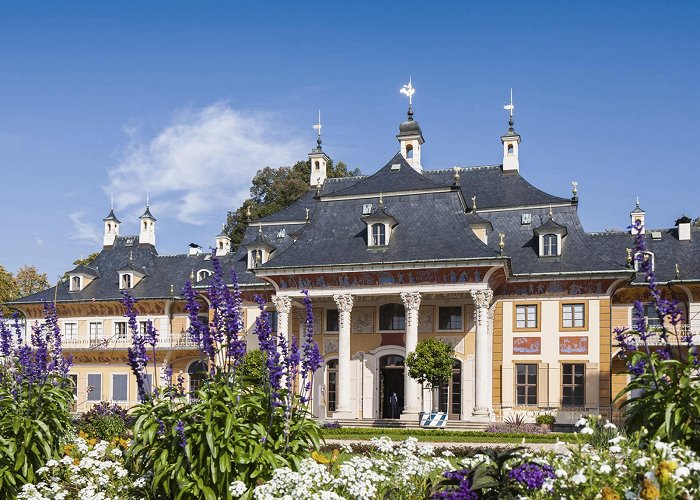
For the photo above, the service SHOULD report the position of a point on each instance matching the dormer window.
(549, 237)
(256, 257)
(203, 274)
(378, 234)
(640, 258)
(550, 245)
(125, 281)
(76, 283)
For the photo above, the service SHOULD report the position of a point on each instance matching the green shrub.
(104, 421)
(545, 419)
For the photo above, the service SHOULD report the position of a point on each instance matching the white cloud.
(201, 165)
(84, 232)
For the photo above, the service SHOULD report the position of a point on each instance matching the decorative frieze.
(527, 345)
(573, 345)
(363, 320)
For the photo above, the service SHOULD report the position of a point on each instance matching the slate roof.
(388, 179)
(88, 271)
(493, 188)
(147, 214)
(111, 217)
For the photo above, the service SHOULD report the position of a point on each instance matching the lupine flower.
(137, 355)
(180, 430)
(531, 474)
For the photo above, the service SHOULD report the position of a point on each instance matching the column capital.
(411, 300)
(343, 302)
(282, 303)
(482, 298)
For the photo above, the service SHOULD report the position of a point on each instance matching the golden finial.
(131, 256)
(260, 229)
(678, 272)
(172, 290)
(550, 211)
(381, 199)
(247, 212)
(574, 189)
(192, 275)
(456, 174)
(474, 203)
(307, 214)
(501, 241)
(318, 189)
(629, 256)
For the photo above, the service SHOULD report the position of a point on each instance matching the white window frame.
(67, 337)
(203, 274)
(120, 374)
(544, 248)
(72, 280)
(527, 308)
(117, 336)
(372, 240)
(87, 386)
(573, 320)
(101, 331)
(123, 277)
(637, 259)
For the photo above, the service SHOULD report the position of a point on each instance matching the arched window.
(510, 149)
(641, 259)
(145, 225)
(126, 281)
(317, 164)
(197, 372)
(409, 151)
(378, 234)
(75, 283)
(221, 245)
(203, 274)
(331, 384)
(109, 227)
(392, 317)
(550, 245)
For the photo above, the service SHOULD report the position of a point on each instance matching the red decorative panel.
(573, 345)
(527, 345)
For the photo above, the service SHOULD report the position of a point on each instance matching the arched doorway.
(450, 400)
(391, 380)
(197, 372)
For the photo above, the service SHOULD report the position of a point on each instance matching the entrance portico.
(359, 380)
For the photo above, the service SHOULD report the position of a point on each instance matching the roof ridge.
(451, 169)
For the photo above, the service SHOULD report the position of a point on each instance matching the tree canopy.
(87, 260)
(25, 282)
(431, 363)
(274, 189)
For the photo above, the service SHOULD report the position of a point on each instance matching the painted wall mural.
(426, 319)
(362, 320)
(382, 278)
(558, 287)
(330, 345)
(527, 345)
(573, 345)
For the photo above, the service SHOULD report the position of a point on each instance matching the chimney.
(683, 225)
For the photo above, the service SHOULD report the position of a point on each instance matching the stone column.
(411, 301)
(283, 305)
(343, 407)
(484, 375)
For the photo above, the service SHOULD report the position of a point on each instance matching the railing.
(677, 336)
(165, 341)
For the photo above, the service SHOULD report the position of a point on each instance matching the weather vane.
(317, 127)
(408, 90)
(510, 106)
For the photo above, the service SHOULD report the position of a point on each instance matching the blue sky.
(187, 100)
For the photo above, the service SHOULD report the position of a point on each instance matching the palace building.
(475, 256)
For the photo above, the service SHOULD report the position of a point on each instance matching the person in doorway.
(394, 405)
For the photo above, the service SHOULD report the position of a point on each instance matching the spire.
(147, 225)
(410, 135)
(222, 242)
(637, 219)
(318, 159)
(111, 228)
(510, 140)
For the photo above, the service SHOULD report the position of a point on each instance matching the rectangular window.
(652, 316)
(143, 325)
(573, 315)
(526, 316)
(120, 383)
(70, 331)
(332, 320)
(573, 384)
(526, 384)
(272, 318)
(450, 318)
(94, 382)
(96, 332)
(120, 330)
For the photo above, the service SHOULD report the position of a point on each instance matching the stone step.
(452, 425)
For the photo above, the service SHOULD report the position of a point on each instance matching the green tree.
(431, 365)
(87, 260)
(273, 189)
(29, 280)
(8, 289)
(252, 369)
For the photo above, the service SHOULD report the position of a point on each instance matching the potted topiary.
(431, 366)
(546, 421)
